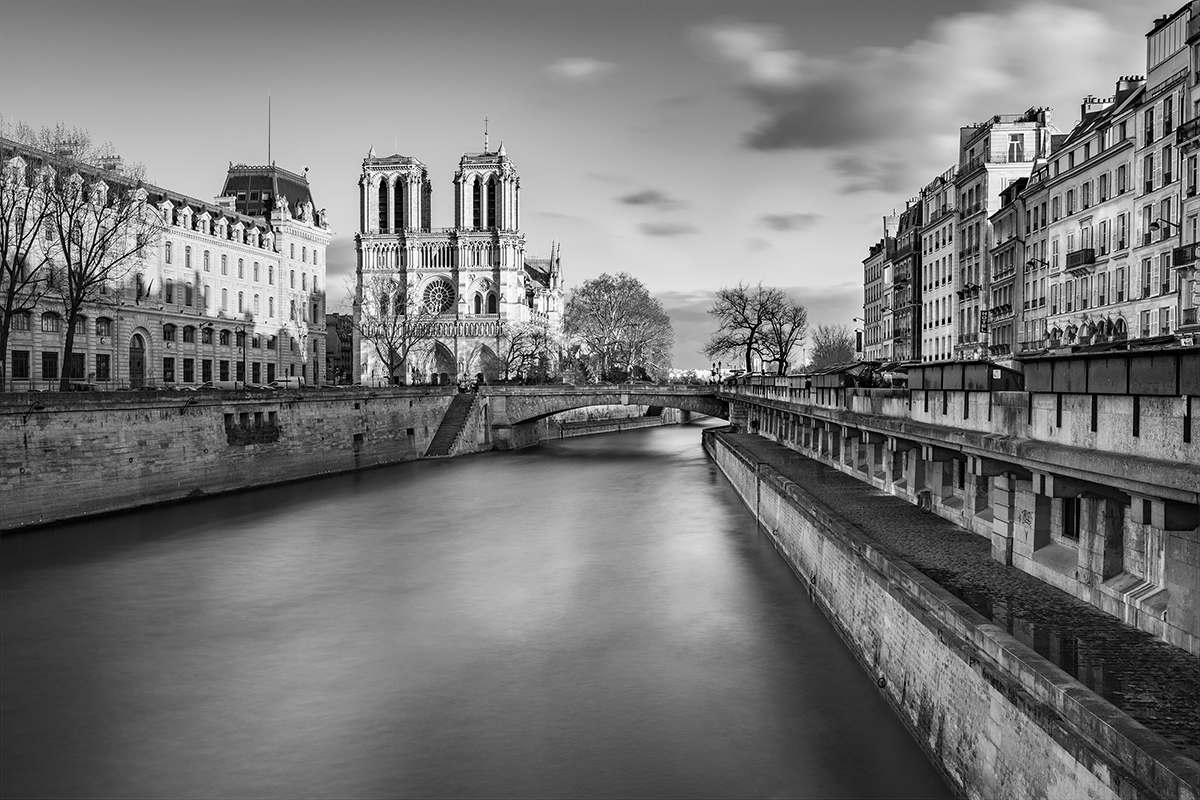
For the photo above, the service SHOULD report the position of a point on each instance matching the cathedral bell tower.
(487, 192)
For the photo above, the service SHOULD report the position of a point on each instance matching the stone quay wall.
(998, 719)
(71, 455)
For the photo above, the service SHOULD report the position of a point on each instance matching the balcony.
(968, 338)
(1191, 128)
(1148, 187)
(1002, 311)
(1078, 261)
(1182, 256)
(1189, 317)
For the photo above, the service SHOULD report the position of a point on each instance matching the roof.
(242, 180)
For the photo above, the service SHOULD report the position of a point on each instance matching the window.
(1102, 188)
(304, 281)
(1119, 287)
(271, 274)
(20, 321)
(1148, 173)
(255, 308)
(20, 365)
(206, 335)
(1168, 163)
(223, 338)
(1122, 179)
(224, 264)
(1168, 113)
(270, 306)
(224, 299)
(207, 267)
(168, 369)
(187, 294)
(103, 367)
(189, 334)
(51, 322)
(1103, 243)
(1016, 147)
(292, 253)
(1148, 125)
(167, 253)
(304, 254)
(292, 279)
(241, 302)
(1055, 208)
(241, 268)
(169, 291)
(187, 257)
(49, 366)
(292, 312)
(206, 372)
(1087, 194)
(256, 271)
(189, 370)
(168, 332)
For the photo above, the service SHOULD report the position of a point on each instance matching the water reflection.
(594, 617)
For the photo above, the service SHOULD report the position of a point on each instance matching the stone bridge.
(513, 410)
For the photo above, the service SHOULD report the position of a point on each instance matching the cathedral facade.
(475, 276)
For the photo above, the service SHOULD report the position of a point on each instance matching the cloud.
(759, 245)
(666, 228)
(580, 70)
(653, 197)
(798, 221)
(607, 178)
(888, 116)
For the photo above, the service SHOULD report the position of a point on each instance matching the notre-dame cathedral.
(475, 275)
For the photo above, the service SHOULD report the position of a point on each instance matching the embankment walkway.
(1153, 682)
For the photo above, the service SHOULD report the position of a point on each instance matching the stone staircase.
(451, 425)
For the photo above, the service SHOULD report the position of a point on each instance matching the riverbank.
(998, 716)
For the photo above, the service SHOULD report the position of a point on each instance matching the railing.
(1191, 128)
(1189, 316)
(968, 338)
(1182, 256)
(1081, 258)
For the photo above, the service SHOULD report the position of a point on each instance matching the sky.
(693, 144)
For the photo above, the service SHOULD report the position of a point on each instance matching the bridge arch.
(521, 405)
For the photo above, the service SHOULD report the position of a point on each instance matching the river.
(588, 618)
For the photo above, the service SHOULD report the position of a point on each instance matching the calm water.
(596, 617)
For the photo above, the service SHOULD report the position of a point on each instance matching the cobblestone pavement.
(1156, 683)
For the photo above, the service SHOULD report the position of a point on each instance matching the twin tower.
(395, 194)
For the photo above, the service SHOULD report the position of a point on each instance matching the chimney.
(1091, 104)
(1128, 84)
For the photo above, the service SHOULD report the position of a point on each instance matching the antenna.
(268, 130)
(485, 133)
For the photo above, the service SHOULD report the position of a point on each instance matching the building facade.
(1007, 256)
(218, 295)
(475, 275)
(992, 155)
(939, 303)
(906, 284)
(877, 307)
(339, 348)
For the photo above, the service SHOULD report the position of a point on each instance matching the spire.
(485, 133)
(501, 152)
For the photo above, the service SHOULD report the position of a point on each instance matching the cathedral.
(475, 276)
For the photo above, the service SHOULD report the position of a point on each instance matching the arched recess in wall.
(492, 303)
(383, 203)
(398, 193)
(491, 203)
(478, 303)
(477, 202)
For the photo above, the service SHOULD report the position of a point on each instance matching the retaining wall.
(999, 720)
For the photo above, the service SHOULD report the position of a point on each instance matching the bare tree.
(526, 349)
(832, 344)
(787, 325)
(617, 328)
(744, 315)
(389, 318)
(96, 225)
(23, 213)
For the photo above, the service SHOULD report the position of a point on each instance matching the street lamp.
(1035, 262)
(1160, 223)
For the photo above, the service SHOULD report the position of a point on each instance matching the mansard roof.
(273, 179)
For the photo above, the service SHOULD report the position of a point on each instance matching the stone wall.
(998, 719)
(70, 455)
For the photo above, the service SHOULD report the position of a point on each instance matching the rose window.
(439, 296)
